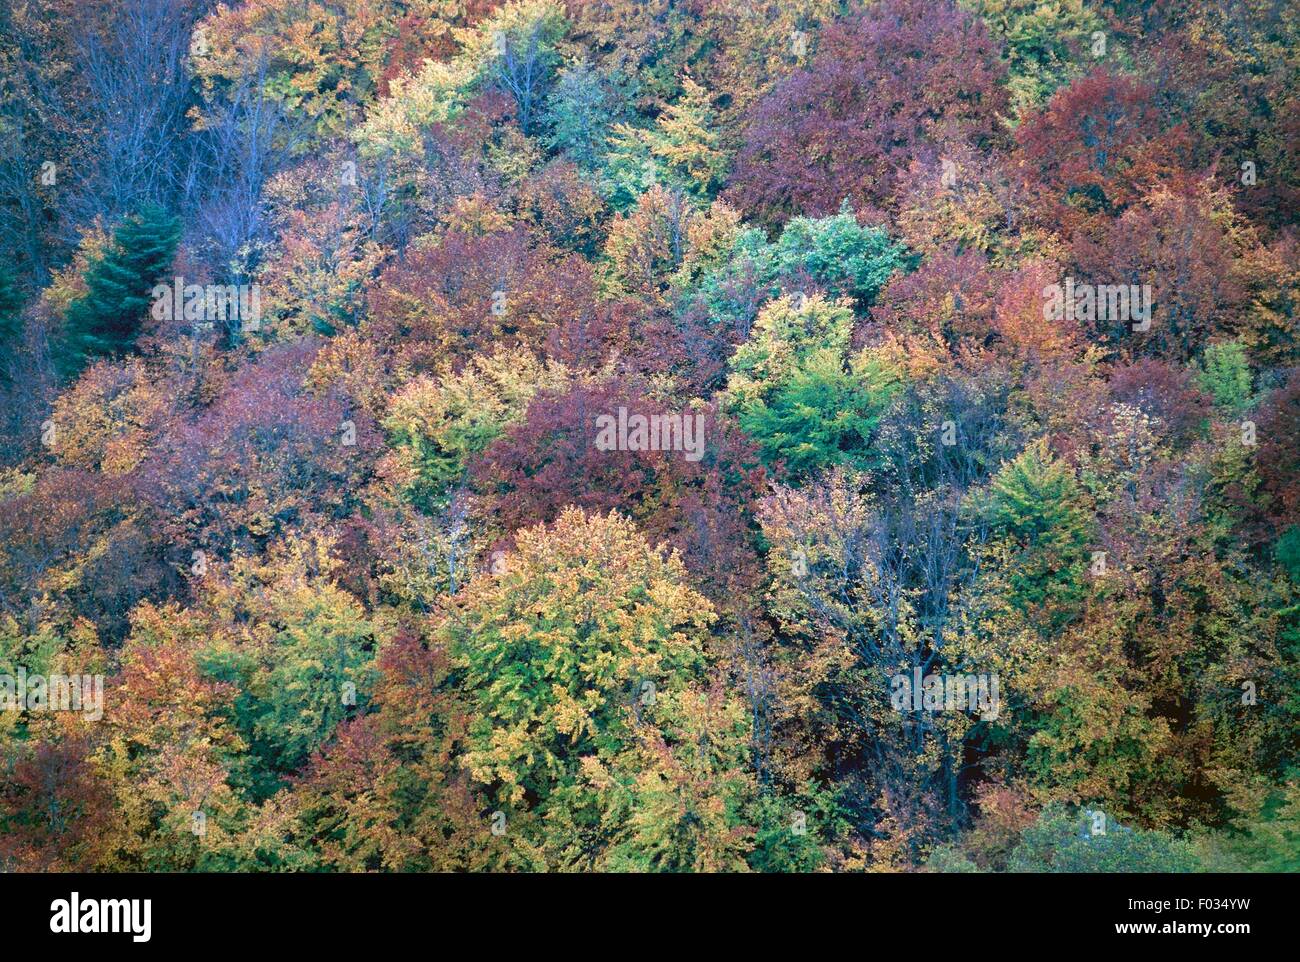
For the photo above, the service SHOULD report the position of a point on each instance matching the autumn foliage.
(650, 436)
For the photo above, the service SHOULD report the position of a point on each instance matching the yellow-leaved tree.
(595, 730)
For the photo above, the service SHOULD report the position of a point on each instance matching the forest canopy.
(640, 435)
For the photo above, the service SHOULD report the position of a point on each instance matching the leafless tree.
(138, 91)
(248, 137)
(523, 69)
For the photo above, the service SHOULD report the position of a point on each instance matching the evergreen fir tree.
(106, 320)
(11, 322)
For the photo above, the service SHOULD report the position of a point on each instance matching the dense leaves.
(651, 436)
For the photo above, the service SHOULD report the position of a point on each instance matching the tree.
(695, 498)
(581, 108)
(1266, 833)
(1226, 375)
(314, 276)
(980, 205)
(685, 142)
(298, 649)
(11, 324)
(951, 296)
(1096, 147)
(1090, 726)
(798, 392)
(1061, 841)
(562, 205)
(107, 319)
(647, 245)
(1188, 249)
(1229, 79)
(268, 457)
(56, 805)
(1278, 460)
(684, 795)
(471, 291)
(1167, 393)
(864, 590)
(651, 42)
(389, 792)
(173, 747)
(323, 61)
(729, 271)
(1037, 503)
(823, 415)
(134, 91)
(839, 254)
(35, 124)
(649, 396)
(56, 808)
(517, 48)
(109, 418)
(575, 652)
(1045, 43)
(903, 80)
(437, 425)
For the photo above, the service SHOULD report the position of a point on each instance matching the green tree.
(840, 256)
(299, 648)
(1287, 552)
(580, 110)
(106, 320)
(801, 395)
(319, 670)
(680, 796)
(630, 170)
(848, 258)
(1267, 837)
(788, 830)
(1087, 841)
(1036, 502)
(825, 414)
(1045, 42)
(11, 322)
(1224, 374)
(11, 302)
